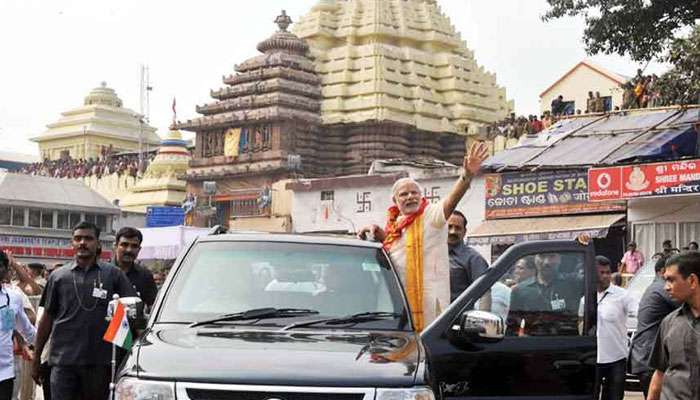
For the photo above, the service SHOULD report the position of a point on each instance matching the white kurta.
(436, 265)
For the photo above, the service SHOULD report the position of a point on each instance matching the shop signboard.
(674, 178)
(525, 194)
(44, 247)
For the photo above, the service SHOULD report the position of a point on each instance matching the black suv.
(288, 317)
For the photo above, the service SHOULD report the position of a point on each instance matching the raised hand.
(478, 153)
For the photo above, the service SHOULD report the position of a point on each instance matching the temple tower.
(397, 80)
(101, 122)
(263, 127)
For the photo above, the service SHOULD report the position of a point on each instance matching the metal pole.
(110, 316)
(113, 383)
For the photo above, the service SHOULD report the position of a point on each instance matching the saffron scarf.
(413, 227)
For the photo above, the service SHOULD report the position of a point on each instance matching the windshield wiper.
(256, 313)
(349, 319)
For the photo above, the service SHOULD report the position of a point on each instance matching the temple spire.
(283, 21)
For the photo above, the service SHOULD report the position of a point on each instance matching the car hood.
(241, 355)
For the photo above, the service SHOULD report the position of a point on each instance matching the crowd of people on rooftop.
(71, 168)
(642, 91)
(514, 127)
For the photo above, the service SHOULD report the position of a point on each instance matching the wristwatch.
(466, 176)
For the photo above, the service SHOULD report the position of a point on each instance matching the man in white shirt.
(12, 318)
(614, 303)
(415, 237)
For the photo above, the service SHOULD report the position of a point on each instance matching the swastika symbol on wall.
(364, 202)
(432, 194)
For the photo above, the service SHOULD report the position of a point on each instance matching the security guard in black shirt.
(126, 250)
(76, 299)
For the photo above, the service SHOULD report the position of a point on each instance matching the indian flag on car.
(118, 332)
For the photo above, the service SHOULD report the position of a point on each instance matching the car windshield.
(221, 278)
(641, 280)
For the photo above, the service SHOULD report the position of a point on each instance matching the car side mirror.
(476, 325)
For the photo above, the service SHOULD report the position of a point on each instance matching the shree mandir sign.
(526, 194)
(672, 178)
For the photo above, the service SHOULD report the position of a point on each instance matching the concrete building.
(38, 213)
(654, 220)
(14, 161)
(575, 84)
(347, 203)
(101, 122)
(621, 176)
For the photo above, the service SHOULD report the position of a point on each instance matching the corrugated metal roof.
(40, 191)
(607, 139)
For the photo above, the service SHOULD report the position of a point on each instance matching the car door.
(547, 347)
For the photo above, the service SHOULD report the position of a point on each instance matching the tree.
(681, 84)
(642, 29)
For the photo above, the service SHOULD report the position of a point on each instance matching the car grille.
(204, 394)
(199, 391)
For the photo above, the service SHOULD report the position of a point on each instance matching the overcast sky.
(55, 51)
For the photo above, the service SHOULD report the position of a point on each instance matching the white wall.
(576, 87)
(310, 214)
(654, 220)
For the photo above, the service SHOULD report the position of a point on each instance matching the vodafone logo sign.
(604, 184)
(604, 180)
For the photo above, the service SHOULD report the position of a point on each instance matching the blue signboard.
(157, 217)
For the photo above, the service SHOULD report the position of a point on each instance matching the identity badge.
(558, 304)
(7, 319)
(99, 293)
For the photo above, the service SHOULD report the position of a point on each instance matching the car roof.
(289, 238)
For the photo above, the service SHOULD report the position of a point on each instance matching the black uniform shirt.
(78, 316)
(142, 281)
(677, 354)
(466, 264)
(653, 307)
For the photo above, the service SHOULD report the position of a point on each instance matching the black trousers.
(610, 380)
(45, 372)
(645, 381)
(6, 387)
(80, 382)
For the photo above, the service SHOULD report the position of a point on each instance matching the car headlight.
(416, 393)
(136, 389)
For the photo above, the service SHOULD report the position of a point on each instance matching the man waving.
(415, 236)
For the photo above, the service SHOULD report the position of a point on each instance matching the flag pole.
(112, 382)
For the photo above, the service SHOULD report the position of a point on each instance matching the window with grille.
(47, 219)
(246, 208)
(327, 195)
(5, 215)
(63, 220)
(35, 218)
(74, 220)
(17, 216)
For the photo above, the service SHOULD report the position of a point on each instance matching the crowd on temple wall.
(514, 127)
(79, 168)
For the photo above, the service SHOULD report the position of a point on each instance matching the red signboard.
(44, 252)
(646, 180)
